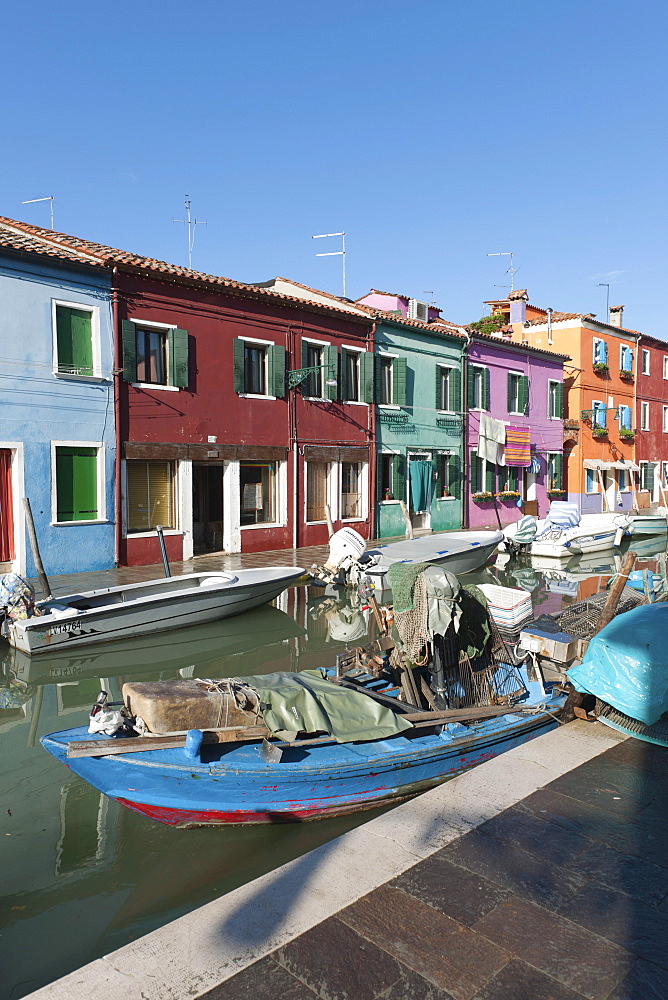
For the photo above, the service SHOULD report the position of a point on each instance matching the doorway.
(421, 489)
(207, 507)
(6, 507)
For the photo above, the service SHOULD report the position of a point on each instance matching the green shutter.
(379, 477)
(399, 373)
(76, 484)
(343, 373)
(304, 363)
(454, 476)
(367, 364)
(238, 364)
(485, 390)
(377, 373)
(276, 370)
(490, 475)
(399, 477)
(473, 472)
(178, 358)
(456, 390)
(513, 478)
(470, 388)
(509, 394)
(558, 471)
(129, 350)
(441, 404)
(74, 336)
(560, 400)
(523, 393)
(331, 360)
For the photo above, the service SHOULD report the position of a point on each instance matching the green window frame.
(478, 387)
(74, 340)
(176, 348)
(76, 483)
(555, 399)
(448, 389)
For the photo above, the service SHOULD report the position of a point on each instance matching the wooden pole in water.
(32, 535)
(407, 518)
(163, 550)
(608, 612)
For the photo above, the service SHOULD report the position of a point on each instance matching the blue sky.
(432, 133)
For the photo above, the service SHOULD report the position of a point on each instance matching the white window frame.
(664, 474)
(101, 483)
(390, 406)
(450, 369)
(258, 395)
(478, 368)
(594, 342)
(331, 490)
(349, 349)
(281, 498)
(516, 413)
(315, 399)
(644, 357)
(364, 492)
(622, 348)
(95, 338)
(665, 366)
(644, 416)
(664, 422)
(552, 382)
(589, 492)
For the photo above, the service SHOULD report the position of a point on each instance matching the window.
(257, 492)
(665, 367)
(482, 474)
(448, 475)
(645, 362)
(555, 463)
(385, 477)
(259, 368)
(665, 420)
(518, 392)
(625, 358)
(646, 475)
(644, 416)
(508, 479)
(154, 354)
(74, 340)
(313, 358)
(478, 388)
(448, 389)
(76, 483)
(150, 495)
(591, 482)
(600, 353)
(316, 490)
(599, 414)
(385, 382)
(622, 480)
(664, 474)
(555, 400)
(350, 362)
(625, 418)
(151, 355)
(351, 490)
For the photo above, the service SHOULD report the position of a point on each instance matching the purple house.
(513, 430)
(402, 305)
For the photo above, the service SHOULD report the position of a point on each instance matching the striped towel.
(518, 446)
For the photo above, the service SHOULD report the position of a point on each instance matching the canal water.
(81, 876)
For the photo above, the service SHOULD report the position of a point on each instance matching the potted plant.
(482, 497)
(626, 374)
(601, 367)
(445, 493)
(626, 433)
(556, 494)
(600, 432)
(508, 495)
(388, 495)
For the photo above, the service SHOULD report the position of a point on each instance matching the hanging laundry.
(491, 438)
(518, 446)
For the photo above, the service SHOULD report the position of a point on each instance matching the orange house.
(599, 397)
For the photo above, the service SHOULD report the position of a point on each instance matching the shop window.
(351, 490)
(258, 492)
(316, 490)
(150, 495)
(76, 483)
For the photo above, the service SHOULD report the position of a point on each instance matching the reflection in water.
(72, 857)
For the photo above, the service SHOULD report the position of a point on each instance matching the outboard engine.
(345, 549)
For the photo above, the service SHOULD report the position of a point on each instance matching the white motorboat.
(142, 608)
(459, 552)
(565, 532)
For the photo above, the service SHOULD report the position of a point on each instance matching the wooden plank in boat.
(102, 748)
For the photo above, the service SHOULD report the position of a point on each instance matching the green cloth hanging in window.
(421, 476)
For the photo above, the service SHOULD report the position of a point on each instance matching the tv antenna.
(49, 197)
(512, 271)
(192, 225)
(335, 253)
(425, 291)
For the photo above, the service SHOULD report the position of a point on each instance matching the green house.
(419, 425)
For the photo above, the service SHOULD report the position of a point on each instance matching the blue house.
(57, 436)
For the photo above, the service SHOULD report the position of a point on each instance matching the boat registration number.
(62, 629)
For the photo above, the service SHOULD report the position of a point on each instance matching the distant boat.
(138, 609)
(565, 532)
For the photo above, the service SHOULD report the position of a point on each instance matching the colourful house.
(419, 424)
(651, 420)
(599, 399)
(58, 444)
(515, 391)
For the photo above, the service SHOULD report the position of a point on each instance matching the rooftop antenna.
(512, 271)
(49, 197)
(335, 253)
(425, 291)
(603, 284)
(192, 225)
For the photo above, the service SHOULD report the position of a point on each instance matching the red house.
(651, 425)
(242, 413)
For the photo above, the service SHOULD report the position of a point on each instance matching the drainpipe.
(116, 375)
(465, 430)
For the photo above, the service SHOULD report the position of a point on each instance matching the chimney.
(518, 305)
(616, 316)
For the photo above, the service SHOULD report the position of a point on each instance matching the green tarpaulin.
(308, 703)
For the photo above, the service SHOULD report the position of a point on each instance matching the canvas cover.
(625, 664)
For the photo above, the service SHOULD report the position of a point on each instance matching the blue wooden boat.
(213, 784)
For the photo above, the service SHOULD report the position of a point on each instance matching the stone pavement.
(560, 897)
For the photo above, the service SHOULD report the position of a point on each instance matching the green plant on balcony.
(508, 495)
(600, 432)
(626, 434)
(601, 367)
(626, 374)
(484, 496)
(556, 494)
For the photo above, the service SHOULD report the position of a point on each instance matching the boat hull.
(238, 787)
(457, 552)
(572, 544)
(647, 525)
(137, 611)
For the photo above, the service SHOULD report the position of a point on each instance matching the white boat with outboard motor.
(565, 532)
(136, 609)
(459, 552)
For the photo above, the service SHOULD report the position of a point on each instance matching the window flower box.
(600, 432)
(556, 494)
(626, 434)
(508, 495)
(483, 497)
(629, 376)
(601, 368)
